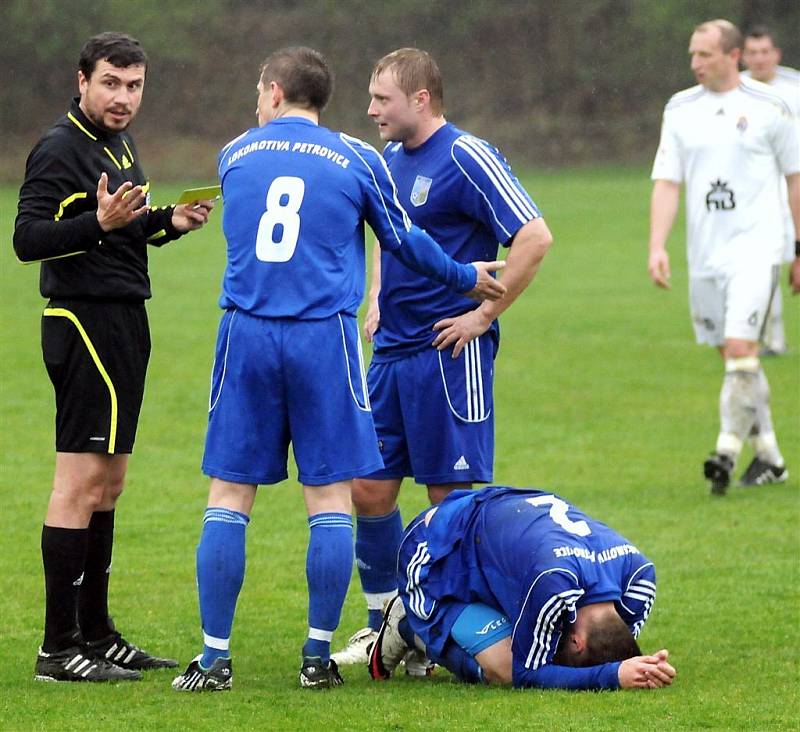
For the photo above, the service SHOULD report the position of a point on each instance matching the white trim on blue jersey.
(643, 591)
(547, 617)
(347, 140)
(516, 199)
(416, 597)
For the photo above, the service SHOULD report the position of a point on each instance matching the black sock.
(93, 597)
(63, 557)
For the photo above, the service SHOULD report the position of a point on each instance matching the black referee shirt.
(57, 223)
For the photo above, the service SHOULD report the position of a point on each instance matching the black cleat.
(718, 469)
(117, 650)
(79, 663)
(760, 472)
(314, 674)
(218, 678)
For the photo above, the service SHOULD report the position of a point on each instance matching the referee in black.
(84, 214)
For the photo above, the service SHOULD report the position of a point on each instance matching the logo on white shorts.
(461, 464)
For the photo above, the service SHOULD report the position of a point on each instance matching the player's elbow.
(22, 244)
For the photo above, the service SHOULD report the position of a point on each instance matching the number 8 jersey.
(296, 196)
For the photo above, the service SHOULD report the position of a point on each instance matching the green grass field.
(601, 396)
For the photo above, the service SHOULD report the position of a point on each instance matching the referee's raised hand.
(118, 209)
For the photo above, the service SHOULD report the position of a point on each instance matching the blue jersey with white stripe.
(526, 552)
(461, 190)
(296, 197)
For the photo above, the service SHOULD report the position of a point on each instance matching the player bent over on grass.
(511, 586)
(288, 365)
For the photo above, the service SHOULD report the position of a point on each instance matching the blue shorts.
(434, 414)
(478, 627)
(277, 381)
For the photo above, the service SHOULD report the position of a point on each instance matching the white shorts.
(732, 305)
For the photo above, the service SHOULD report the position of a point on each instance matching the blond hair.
(414, 70)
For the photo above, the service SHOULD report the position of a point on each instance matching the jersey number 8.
(284, 197)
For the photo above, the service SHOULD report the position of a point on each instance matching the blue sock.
(220, 573)
(329, 564)
(377, 541)
(460, 663)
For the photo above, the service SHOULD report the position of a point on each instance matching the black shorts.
(96, 354)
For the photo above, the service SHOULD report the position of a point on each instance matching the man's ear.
(577, 642)
(276, 94)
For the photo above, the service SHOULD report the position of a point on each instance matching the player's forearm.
(38, 239)
(605, 676)
(664, 204)
(158, 226)
(522, 263)
(419, 252)
(375, 278)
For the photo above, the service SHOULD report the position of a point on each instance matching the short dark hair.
(302, 73)
(607, 640)
(762, 31)
(119, 49)
(413, 70)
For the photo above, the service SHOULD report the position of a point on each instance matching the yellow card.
(190, 195)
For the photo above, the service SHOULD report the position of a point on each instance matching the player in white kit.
(762, 58)
(730, 140)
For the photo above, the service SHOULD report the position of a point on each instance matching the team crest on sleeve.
(420, 190)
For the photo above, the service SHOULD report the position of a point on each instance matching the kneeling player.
(519, 587)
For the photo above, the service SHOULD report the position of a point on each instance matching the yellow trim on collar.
(75, 121)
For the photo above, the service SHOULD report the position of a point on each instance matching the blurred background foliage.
(551, 82)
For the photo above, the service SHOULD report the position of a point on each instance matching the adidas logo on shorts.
(461, 464)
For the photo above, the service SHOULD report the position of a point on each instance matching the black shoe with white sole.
(217, 678)
(79, 663)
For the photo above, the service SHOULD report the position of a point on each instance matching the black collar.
(85, 125)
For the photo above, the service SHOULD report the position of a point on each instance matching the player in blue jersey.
(519, 587)
(288, 361)
(430, 379)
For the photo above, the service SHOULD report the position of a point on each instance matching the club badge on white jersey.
(420, 190)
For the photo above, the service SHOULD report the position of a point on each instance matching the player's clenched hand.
(191, 216)
(118, 209)
(372, 320)
(486, 286)
(794, 276)
(658, 267)
(460, 330)
(646, 672)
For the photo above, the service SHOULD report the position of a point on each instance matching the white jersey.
(731, 150)
(786, 83)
